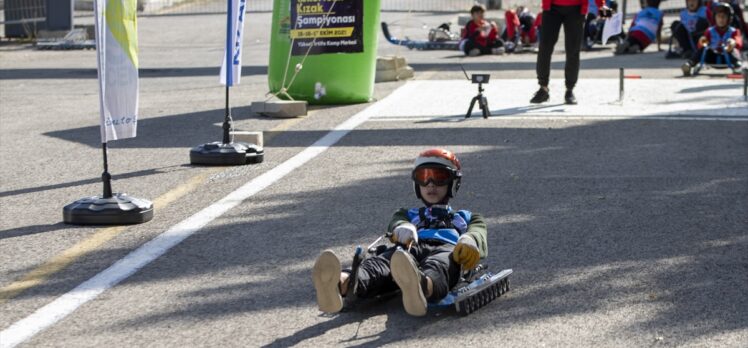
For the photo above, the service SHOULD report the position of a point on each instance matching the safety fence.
(185, 7)
(22, 11)
(33, 11)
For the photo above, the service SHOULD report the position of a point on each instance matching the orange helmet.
(439, 166)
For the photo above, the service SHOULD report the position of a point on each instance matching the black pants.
(435, 261)
(591, 27)
(687, 41)
(470, 44)
(573, 22)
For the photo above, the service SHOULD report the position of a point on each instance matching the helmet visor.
(439, 176)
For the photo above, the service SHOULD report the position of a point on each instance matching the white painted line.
(454, 119)
(61, 307)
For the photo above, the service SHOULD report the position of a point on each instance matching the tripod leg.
(486, 110)
(470, 110)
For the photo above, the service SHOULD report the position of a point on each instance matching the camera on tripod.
(480, 78)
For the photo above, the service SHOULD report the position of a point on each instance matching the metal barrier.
(22, 11)
(183, 7)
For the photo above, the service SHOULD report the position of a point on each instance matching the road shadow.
(637, 219)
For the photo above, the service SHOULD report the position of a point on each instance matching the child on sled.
(434, 243)
(719, 46)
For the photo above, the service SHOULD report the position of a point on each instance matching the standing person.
(570, 13)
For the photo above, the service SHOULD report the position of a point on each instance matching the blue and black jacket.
(445, 229)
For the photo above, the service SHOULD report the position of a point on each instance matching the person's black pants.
(435, 261)
(470, 44)
(687, 41)
(573, 22)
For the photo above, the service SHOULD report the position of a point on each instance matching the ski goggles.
(439, 176)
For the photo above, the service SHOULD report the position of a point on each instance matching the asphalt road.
(620, 232)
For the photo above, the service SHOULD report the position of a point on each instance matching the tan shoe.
(408, 278)
(326, 279)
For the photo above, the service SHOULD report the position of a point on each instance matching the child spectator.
(720, 44)
(522, 28)
(593, 25)
(694, 19)
(645, 28)
(481, 36)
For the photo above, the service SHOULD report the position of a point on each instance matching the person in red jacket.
(719, 43)
(481, 36)
(522, 28)
(570, 14)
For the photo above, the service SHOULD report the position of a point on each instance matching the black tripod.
(479, 79)
(482, 103)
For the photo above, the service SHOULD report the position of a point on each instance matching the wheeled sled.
(476, 288)
(422, 45)
(723, 62)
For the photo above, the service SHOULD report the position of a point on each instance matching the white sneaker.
(406, 275)
(498, 50)
(474, 52)
(326, 279)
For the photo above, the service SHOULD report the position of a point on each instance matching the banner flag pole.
(117, 63)
(228, 152)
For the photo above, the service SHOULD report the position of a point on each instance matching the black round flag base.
(120, 209)
(232, 154)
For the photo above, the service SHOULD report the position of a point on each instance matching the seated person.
(738, 19)
(720, 44)
(593, 25)
(687, 31)
(522, 28)
(480, 36)
(435, 243)
(645, 28)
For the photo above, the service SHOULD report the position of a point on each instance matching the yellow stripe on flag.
(123, 24)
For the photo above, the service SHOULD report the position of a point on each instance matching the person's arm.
(478, 230)
(400, 217)
(735, 41)
(704, 39)
(493, 35)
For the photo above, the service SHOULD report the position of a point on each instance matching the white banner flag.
(613, 26)
(231, 69)
(117, 56)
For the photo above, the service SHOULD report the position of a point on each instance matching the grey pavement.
(620, 232)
